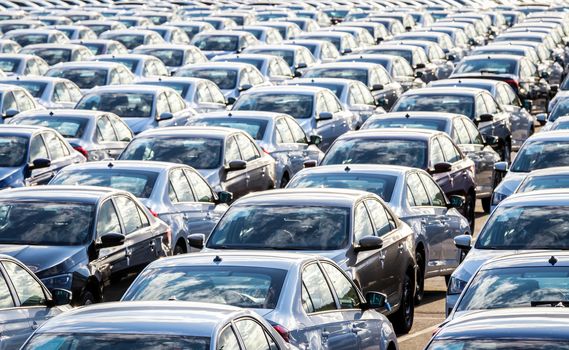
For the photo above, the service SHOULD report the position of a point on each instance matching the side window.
(256, 77)
(253, 335)
(56, 148)
(29, 290)
(362, 223)
(284, 134)
(451, 153)
(435, 194)
(297, 133)
(202, 94)
(8, 102)
(379, 216)
(245, 78)
(436, 152)
(473, 132)
(25, 102)
(490, 104)
(356, 95)
(231, 150)
(460, 134)
(247, 148)
(321, 104)
(105, 131)
(333, 105)
(114, 77)
(176, 102)
(6, 300)
(417, 190)
(162, 105)
(180, 189)
(202, 190)
(108, 220)
(123, 132)
(347, 294)
(216, 94)
(366, 94)
(316, 294)
(38, 149)
(480, 106)
(228, 340)
(60, 93)
(129, 213)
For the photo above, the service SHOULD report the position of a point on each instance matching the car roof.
(134, 56)
(307, 196)
(218, 64)
(68, 46)
(532, 259)
(239, 114)
(190, 131)
(393, 47)
(337, 81)
(561, 170)
(443, 90)
(458, 81)
(418, 115)
(287, 89)
(391, 133)
(38, 78)
(224, 32)
(20, 130)
(549, 197)
(57, 193)
(165, 46)
(493, 57)
(374, 169)
(345, 65)
(139, 165)
(283, 47)
(65, 113)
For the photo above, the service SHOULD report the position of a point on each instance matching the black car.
(80, 238)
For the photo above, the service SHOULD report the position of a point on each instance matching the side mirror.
(456, 201)
(528, 105)
(463, 242)
(237, 165)
(10, 113)
(301, 65)
(490, 140)
(486, 118)
(111, 240)
(376, 300)
(377, 87)
(443, 167)
(541, 118)
(61, 296)
(501, 167)
(164, 116)
(196, 240)
(40, 163)
(245, 87)
(451, 57)
(224, 197)
(369, 243)
(297, 74)
(418, 74)
(310, 164)
(324, 116)
(315, 140)
(420, 66)
(231, 100)
(346, 51)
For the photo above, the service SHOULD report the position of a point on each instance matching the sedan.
(544, 179)
(49, 92)
(142, 66)
(322, 50)
(219, 42)
(25, 37)
(173, 56)
(228, 159)
(256, 281)
(133, 38)
(344, 42)
(102, 46)
(57, 53)
(273, 68)
(297, 57)
(87, 75)
(22, 64)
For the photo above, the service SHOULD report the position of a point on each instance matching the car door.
(287, 153)
(15, 323)
(257, 167)
(327, 328)
(24, 100)
(206, 101)
(38, 150)
(458, 177)
(307, 151)
(340, 122)
(178, 108)
(235, 181)
(106, 137)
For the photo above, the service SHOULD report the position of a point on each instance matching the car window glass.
(114, 77)
(460, 133)
(245, 80)
(60, 93)
(202, 190)
(8, 102)
(203, 94)
(367, 96)
(256, 77)
(129, 213)
(297, 131)
(362, 223)
(231, 150)
(176, 102)
(436, 152)
(162, 105)
(435, 194)
(356, 95)
(473, 132)
(55, 146)
(321, 104)
(180, 189)
(38, 149)
(28, 290)
(345, 291)
(25, 102)
(228, 340)
(216, 94)
(108, 220)
(316, 294)
(379, 216)
(333, 105)
(247, 148)
(252, 334)
(123, 132)
(105, 131)
(284, 134)
(382, 76)
(418, 191)
(451, 153)
(6, 300)
(490, 104)
(480, 106)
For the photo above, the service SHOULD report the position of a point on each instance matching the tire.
(179, 249)
(403, 319)
(469, 208)
(419, 294)
(487, 204)
(87, 298)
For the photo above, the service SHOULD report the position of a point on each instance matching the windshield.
(9, 65)
(35, 88)
(197, 152)
(45, 223)
(343, 73)
(255, 128)
(543, 183)
(494, 65)
(13, 151)
(506, 344)
(139, 183)
(287, 227)
(115, 341)
(125, 105)
(217, 43)
(131, 41)
(67, 127)
(380, 184)
(85, 78)
(171, 58)
(223, 78)
(541, 155)
(515, 287)
(30, 39)
(287, 55)
(527, 227)
(241, 286)
(436, 103)
(412, 153)
(430, 124)
(296, 105)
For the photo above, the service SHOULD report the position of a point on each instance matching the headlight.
(455, 286)
(59, 281)
(497, 197)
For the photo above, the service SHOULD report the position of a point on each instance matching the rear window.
(67, 127)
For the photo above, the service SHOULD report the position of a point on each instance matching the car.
(96, 135)
(48, 92)
(344, 42)
(25, 37)
(362, 37)
(524, 222)
(57, 53)
(562, 123)
(88, 74)
(231, 77)
(377, 31)
(433, 151)
(549, 178)
(322, 50)
(443, 63)
(383, 88)
(465, 135)
(192, 27)
(170, 34)
(290, 281)
(279, 135)
(265, 35)
(83, 236)
(9, 46)
(505, 329)
(76, 32)
(142, 66)
(316, 109)
(131, 21)
(173, 56)
(341, 228)
(229, 159)
(442, 39)
(181, 325)
(273, 68)
(158, 17)
(27, 303)
(287, 29)
(476, 104)
(540, 151)
(21, 64)
(175, 193)
(142, 107)
(559, 110)
(297, 57)
(133, 38)
(223, 42)
(81, 15)
(414, 197)
(521, 121)
(102, 46)
(101, 26)
(218, 23)
(7, 25)
(15, 99)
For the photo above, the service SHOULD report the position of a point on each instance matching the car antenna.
(217, 259)
(347, 169)
(552, 260)
(51, 113)
(110, 165)
(230, 114)
(407, 115)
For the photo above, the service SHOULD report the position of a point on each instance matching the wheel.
(87, 298)
(403, 318)
(486, 204)
(468, 209)
(284, 180)
(179, 249)
(420, 259)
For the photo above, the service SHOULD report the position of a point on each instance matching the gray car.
(177, 194)
(531, 221)
(297, 57)
(173, 56)
(26, 302)
(434, 219)
(133, 38)
(273, 68)
(279, 135)
(49, 92)
(356, 229)
(88, 74)
(56, 53)
(279, 287)
(223, 42)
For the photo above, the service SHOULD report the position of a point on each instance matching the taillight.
(282, 331)
(155, 214)
(513, 83)
(264, 150)
(81, 150)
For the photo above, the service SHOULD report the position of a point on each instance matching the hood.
(46, 261)
(138, 125)
(510, 182)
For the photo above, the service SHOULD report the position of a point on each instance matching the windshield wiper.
(552, 303)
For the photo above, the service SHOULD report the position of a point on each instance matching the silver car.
(279, 287)
(273, 68)
(102, 46)
(133, 38)
(173, 56)
(142, 66)
(22, 64)
(57, 53)
(175, 193)
(322, 50)
(88, 74)
(279, 135)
